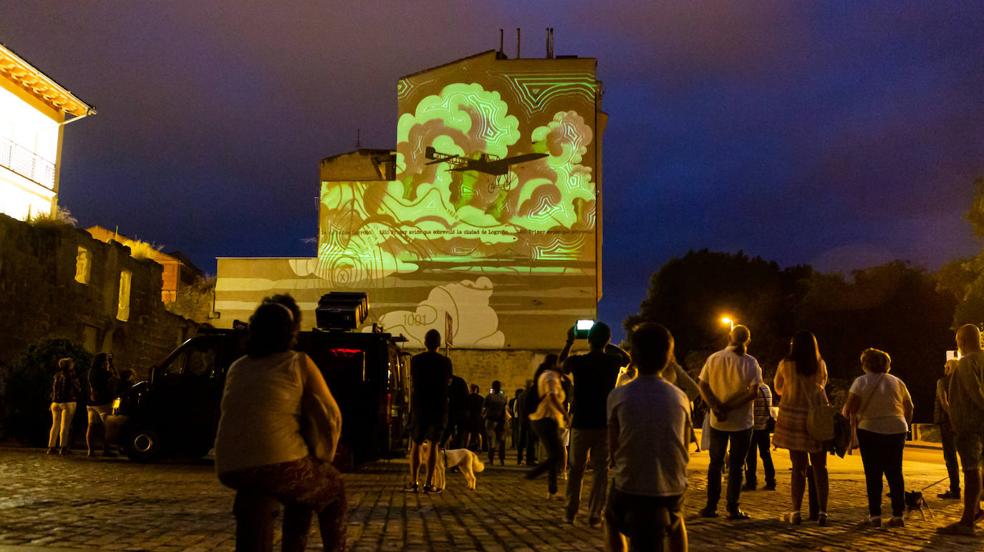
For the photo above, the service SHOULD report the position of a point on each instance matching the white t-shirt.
(653, 419)
(883, 413)
(728, 374)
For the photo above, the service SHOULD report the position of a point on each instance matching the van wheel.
(143, 445)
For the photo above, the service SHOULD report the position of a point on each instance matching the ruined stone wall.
(40, 298)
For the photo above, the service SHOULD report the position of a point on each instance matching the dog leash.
(935, 484)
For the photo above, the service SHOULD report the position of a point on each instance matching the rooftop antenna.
(550, 43)
(517, 42)
(358, 138)
(502, 54)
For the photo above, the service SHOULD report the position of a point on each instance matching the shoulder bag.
(857, 416)
(820, 417)
(318, 427)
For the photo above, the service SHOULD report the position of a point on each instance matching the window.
(123, 308)
(83, 265)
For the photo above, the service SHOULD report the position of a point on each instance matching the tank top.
(260, 422)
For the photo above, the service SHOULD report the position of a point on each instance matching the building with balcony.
(34, 110)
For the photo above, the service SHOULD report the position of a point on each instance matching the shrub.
(26, 413)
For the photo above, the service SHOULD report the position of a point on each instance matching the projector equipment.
(340, 310)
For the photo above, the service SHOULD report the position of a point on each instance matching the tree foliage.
(894, 307)
(28, 389)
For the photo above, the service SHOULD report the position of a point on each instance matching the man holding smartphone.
(594, 376)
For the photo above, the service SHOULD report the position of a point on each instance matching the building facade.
(33, 112)
(484, 222)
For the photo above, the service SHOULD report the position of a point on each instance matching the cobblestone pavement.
(51, 503)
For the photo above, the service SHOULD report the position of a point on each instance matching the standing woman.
(259, 447)
(65, 392)
(880, 406)
(547, 420)
(800, 380)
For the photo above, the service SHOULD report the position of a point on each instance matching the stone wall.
(41, 299)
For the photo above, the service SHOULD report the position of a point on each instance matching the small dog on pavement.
(467, 462)
(915, 501)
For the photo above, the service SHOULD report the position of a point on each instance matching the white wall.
(28, 152)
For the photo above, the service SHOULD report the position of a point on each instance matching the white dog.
(465, 460)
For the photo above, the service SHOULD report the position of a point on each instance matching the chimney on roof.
(517, 42)
(550, 43)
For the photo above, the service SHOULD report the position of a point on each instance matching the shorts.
(427, 426)
(565, 436)
(97, 413)
(969, 447)
(644, 519)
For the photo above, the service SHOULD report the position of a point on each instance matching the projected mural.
(495, 177)
(487, 223)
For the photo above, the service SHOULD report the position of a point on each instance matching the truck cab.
(177, 409)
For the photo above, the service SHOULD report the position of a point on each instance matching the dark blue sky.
(841, 134)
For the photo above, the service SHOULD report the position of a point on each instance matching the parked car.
(177, 409)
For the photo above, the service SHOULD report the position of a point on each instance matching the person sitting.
(259, 448)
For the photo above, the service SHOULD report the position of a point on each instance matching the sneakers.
(738, 515)
(822, 519)
(430, 489)
(411, 488)
(769, 486)
(874, 521)
(896, 521)
(949, 495)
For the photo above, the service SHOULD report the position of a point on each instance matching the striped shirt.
(763, 403)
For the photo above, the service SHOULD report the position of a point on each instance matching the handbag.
(318, 426)
(854, 420)
(820, 418)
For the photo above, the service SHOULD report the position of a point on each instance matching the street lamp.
(728, 321)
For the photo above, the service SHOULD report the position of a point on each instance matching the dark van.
(177, 409)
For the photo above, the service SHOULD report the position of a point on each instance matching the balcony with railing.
(26, 163)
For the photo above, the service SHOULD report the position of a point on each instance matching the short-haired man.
(729, 383)
(494, 412)
(595, 374)
(430, 374)
(967, 416)
(648, 434)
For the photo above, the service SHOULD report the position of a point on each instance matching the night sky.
(841, 135)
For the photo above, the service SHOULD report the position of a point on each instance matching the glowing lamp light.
(728, 321)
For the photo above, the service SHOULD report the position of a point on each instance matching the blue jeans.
(740, 442)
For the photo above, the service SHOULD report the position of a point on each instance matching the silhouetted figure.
(260, 450)
(65, 393)
(800, 381)
(102, 381)
(430, 378)
(649, 433)
(941, 417)
(881, 408)
(475, 430)
(546, 419)
(729, 383)
(494, 412)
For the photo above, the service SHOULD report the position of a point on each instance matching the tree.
(689, 294)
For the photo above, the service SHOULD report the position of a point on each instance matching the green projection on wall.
(442, 226)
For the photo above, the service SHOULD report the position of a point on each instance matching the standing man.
(494, 412)
(476, 423)
(729, 383)
(594, 375)
(761, 442)
(457, 413)
(648, 434)
(967, 416)
(941, 417)
(512, 408)
(430, 375)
